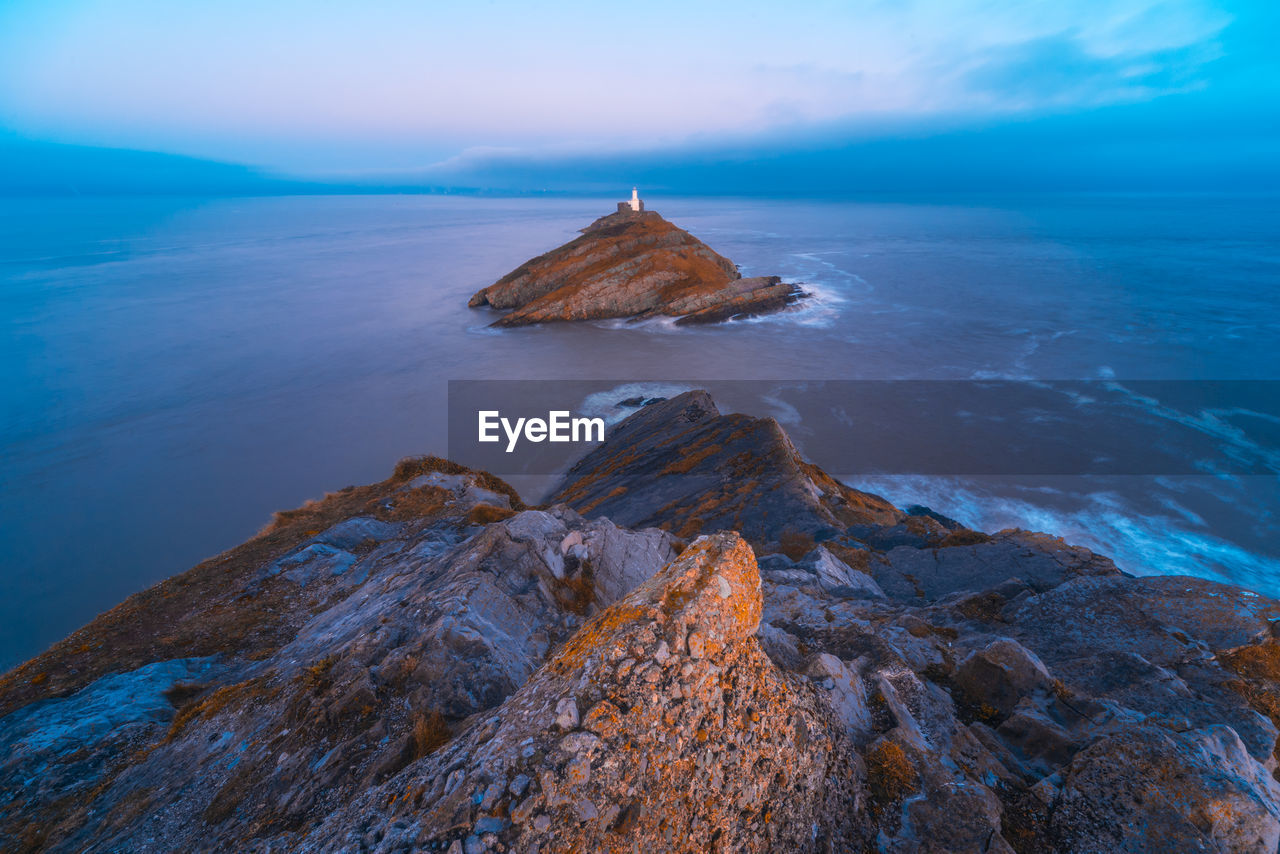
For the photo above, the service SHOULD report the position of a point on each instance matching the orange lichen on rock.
(593, 636)
(1258, 666)
(711, 590)
(660, 716)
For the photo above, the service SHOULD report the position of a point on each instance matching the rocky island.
(632, 264)
(702, 643)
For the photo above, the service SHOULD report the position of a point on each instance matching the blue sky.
(541, 92)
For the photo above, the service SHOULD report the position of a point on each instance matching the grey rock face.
(1000, 675)
(424, 664)
(1149, 789)
(447, 619)
(682, 466)
(1034, 562)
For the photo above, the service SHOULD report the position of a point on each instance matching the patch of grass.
(484, 514)
(421, 503)
(130, 808)
(181, 693)
(938, 673)
(430, 733)
(854, 506)
(408, 666)
(27, 837)
(986, 713)
(577, 592)
(983, 607)
(857, 559)
(1256, 661)
(963, 537)
(944, 632)
(316, 677)
(916, 587)
(211, 704)
(690, 460)
(890, 775)
(596, 502)
(796, 544)
(1060, 690)
(411, 467)
(691, 528)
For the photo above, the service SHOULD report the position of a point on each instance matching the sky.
(557, 93)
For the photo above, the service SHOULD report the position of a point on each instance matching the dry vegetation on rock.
(426, 664)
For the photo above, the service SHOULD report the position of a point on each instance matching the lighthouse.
(636, 204)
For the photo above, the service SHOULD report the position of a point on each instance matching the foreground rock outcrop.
(632, 264)
(659, 660)
(661, 725)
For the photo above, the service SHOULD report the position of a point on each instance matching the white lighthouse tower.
(635, 205)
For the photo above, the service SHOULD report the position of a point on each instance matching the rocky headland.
(635, 265)
(702, 643)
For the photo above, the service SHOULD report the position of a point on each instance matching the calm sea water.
(175, 370)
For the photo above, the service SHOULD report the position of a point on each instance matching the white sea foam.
(1141, 541)
(486, 329)
(605, 404)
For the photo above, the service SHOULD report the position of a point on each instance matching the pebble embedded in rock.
(567, 713)
(518, 784)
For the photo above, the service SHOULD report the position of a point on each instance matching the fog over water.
(177, 369)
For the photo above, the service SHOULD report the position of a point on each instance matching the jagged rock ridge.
(424, 664)
(632, 264)
(680, 465)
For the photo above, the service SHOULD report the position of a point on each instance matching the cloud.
(35, 168)
(275, 82)
(1058, 71)
(1186, 142)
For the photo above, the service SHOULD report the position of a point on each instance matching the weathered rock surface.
(434, 619)
(660, 726)
(682, 466)
(426, 664)
(632, 264)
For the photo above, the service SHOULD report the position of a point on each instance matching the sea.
(176, 369)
